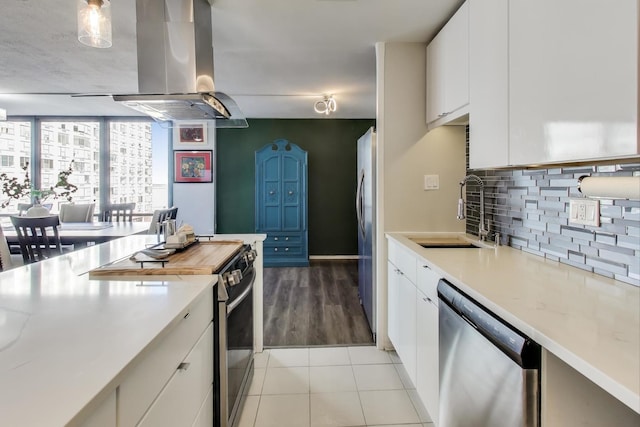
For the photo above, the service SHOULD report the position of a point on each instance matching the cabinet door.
(407, 334)
(435, 75)
(393, 304)
(456, 60)
(488, 84)
(427, 374)
(292, 203)
(573, 74)
(179, 402)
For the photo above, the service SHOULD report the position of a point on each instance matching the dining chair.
(159, 216)
(71, 212)
(38, 237)
(118, 212)
(5, 254)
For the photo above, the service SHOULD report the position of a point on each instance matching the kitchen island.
(588, 325)
(68, 342)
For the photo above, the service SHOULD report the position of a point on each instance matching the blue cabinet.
(281, 203)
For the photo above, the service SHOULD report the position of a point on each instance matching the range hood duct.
(175, 65)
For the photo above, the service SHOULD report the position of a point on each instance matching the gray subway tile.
(630, 242)
(607, 238)
(612, 267)
(554, 250)
(578, 233)
(611, 211)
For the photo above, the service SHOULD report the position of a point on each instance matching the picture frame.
(193, 166)
(191, 133)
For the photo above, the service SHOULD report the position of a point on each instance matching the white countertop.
(587, 320)
(65, 339)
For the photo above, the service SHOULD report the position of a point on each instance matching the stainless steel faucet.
(482, 231)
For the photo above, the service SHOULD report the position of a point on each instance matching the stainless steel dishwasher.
(489, 372)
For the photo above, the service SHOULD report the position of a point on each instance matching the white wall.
(196, 202)
(407, 152)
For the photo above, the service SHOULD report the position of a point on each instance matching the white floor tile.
(287, 410)
(404, 376)
(258, 380)
(329, 356)
(419, 406)
(377, 377)
(286, 381)
(288, 357)
(388, 407)
(260, 359)
(401, 425)
(249, 411)
(336, 410)
(323, 379)
(365, 355)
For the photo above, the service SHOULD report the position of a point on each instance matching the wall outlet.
(432, 182)
(584, 211)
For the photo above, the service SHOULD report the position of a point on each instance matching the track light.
(326, 106)
(94, 23)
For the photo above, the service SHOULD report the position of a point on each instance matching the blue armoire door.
(281, 203)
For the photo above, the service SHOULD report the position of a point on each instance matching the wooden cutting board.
(200, 258)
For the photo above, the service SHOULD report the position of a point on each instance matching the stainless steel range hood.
(175, 65)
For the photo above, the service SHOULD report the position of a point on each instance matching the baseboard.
(333, 257)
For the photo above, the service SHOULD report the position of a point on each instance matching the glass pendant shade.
(94, 23)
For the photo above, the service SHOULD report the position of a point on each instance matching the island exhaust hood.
(175, 65)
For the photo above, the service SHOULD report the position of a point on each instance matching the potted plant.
(13, 188)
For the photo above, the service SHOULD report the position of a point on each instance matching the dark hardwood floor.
(314, 306)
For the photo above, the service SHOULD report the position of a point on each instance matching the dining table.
(85, 233)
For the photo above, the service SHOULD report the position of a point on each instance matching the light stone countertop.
(66, 340)
(587, 320)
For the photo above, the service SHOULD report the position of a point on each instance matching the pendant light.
(94, 23)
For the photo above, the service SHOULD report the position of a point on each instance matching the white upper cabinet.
(552, 82)
(573, 80)
(448, 70)
(488, 84)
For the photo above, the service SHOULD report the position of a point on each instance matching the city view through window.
(126, 162)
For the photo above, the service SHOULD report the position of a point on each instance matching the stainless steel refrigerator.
(366, 211)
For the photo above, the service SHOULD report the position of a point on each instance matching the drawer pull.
(286, 249)
(186, 315)
(275, 238)
(427, 267)
(286, 238)
(183, 366)
(275, 249)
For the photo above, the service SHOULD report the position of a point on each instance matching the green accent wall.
(331, 145)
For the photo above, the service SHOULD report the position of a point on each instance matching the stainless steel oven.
(233, 343)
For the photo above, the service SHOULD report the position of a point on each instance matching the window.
(138, 155)
(6, 161)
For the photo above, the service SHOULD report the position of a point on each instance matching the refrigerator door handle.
(359, 205)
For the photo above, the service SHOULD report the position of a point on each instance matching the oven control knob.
(234, 277)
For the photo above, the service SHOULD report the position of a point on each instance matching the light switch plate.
(584, 211)
(431, 182)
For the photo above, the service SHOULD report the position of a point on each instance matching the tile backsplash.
(530, 208)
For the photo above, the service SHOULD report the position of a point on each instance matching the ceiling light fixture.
(94, 23)
(326, 106)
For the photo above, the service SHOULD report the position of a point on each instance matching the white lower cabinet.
(402, 318)
(144, 381)
(427, 374)
(179, 402)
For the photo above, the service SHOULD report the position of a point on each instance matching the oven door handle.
(240, 298)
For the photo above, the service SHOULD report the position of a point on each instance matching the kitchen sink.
(453, 242)
(452, 246)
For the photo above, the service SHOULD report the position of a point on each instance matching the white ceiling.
(275, 58)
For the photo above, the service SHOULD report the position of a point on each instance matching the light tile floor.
(331, 387)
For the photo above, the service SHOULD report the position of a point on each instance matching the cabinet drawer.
(427, 281)
(403, 259)
(145, 380)
(283, 239)
(179, 402)
(283, 251)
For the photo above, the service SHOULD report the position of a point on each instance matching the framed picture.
(193, 166)
(193, 133)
